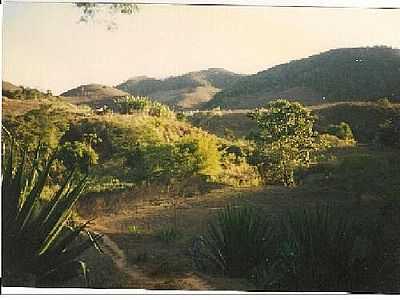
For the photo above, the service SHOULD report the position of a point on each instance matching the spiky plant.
(237, 241)
(37, 243)
(323, 249)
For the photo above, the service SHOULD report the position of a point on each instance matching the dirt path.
(137, 278)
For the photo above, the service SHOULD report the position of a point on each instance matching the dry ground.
(142, 260)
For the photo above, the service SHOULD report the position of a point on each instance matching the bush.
(236, 242)
(166, 163)
(132, 104)
(168, 235)
(78, 155)
(238, 173)
(389, 133)
(342, 131)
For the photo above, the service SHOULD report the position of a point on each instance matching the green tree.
(45, 125)
(285, 141)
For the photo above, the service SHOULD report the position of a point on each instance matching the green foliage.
(36, 238)
(349, 74)
(389, 133)
(281, 118)
(237, 172)
(325, 249)
(180, 116)
(78, 154)
(236, 242)
(286, 140)
(168, 235)
(364, 119)
(45, 125)
(367, 174)
(132, 104)
(135, 230)
(25, 93)
(342, 131)
(165, 163)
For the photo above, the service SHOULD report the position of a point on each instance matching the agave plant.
(37, 242)
(323, 249)
(236, 242)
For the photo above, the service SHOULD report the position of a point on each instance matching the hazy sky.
(45, 47)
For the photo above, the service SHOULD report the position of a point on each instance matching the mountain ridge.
(363, 73)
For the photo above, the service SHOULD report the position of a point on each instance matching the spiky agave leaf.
(36, 240)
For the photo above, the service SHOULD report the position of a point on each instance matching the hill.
(8, 87)
(187, 91)
(92, 94)
(12, 91)
(351, 74)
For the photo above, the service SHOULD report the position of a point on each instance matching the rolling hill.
(92, 94)
(188, 91)
(348, 74)
(9, 88)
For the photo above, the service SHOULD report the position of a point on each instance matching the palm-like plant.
(36, 240)
(237, 242)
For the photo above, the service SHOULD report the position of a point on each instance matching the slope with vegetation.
(159, 189)
(348, 74)
(12, 91)
(188, 91)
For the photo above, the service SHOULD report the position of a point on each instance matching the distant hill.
(8, 87)
(12, 91)
(348, 74)
(92, 94)
(187, 91)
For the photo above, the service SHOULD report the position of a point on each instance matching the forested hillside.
(349, 74)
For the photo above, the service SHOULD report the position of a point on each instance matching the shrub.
(389, 133)
(166, 163)
(237, 172)
(342, 131)
(236, 242)
(77, 154)
(168, 235)
(131, 104)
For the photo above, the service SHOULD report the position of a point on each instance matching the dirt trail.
(137, 278)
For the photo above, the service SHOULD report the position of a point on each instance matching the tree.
(285, 141)
(105, 12)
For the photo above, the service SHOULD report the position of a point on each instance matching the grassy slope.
(188, 91)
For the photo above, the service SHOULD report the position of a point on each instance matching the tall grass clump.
(235, 242)
(38, 245)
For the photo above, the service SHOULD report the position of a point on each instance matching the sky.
(45, 46)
